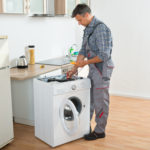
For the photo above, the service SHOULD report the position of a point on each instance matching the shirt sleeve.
(103, 42)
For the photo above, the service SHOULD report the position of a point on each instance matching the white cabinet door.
(4, 53)
(70, 6)
(13, 6)
(84, 1)
(6, 124)
(36, 7)
(65, 7)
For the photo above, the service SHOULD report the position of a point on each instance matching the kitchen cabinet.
(1, 6)
(12, 6)
(84, 1)
(31, 7)
(25, 6)
(37, 6)
(65, 7)
(54, 7)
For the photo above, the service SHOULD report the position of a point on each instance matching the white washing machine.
(62, 110)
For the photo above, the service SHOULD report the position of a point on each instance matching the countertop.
(31, 71)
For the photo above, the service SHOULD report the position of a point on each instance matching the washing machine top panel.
(71, 86)
(59, 78)
(61, 85)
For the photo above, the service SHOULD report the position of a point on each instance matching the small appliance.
(22, 62)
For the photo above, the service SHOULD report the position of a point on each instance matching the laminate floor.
(128, 128)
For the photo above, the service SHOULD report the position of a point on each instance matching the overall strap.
(93, 30)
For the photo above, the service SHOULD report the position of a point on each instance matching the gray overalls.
(99, 74)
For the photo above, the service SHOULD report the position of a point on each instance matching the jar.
(31, 54)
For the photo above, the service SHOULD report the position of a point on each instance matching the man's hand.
(81, 63)
(71, 72)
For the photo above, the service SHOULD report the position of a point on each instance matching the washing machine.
(62, 109)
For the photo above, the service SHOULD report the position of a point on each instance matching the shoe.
(94, 136)
(89, 132)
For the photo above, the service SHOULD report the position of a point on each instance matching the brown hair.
(81, 9)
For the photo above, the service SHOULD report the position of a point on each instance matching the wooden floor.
(128, 128)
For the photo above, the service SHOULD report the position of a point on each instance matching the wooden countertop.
(31, 71)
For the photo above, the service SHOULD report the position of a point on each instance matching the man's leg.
(101, 104)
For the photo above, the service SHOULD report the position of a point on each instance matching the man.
(96, 47)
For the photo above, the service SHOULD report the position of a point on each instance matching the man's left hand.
(81, 63)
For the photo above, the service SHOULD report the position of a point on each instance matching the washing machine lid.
(69, 117)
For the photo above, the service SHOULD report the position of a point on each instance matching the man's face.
(82, 19)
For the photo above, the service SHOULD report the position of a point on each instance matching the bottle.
(73, 53)
(27, 55)
(31, 54)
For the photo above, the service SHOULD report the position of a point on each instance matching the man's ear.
(86, 14)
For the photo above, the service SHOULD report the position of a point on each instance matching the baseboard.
(24, 121)
(129, 95)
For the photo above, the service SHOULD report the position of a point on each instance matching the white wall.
(52, 36)
(129, 21)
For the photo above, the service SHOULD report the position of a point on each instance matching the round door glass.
(68, 114)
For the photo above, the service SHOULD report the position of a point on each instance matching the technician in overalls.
(96, 47)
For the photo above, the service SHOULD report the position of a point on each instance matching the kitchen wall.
(129, 21)
(52, 36)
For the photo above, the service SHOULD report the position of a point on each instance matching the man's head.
(82, 14)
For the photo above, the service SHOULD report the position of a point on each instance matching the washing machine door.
(69, 117)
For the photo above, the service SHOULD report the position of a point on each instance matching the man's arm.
(94, 60)
(82, 62)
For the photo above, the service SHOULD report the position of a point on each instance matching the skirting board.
(24, 121)
(129, 95)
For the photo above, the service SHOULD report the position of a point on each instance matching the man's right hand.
(75, 68)
(71, 73)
